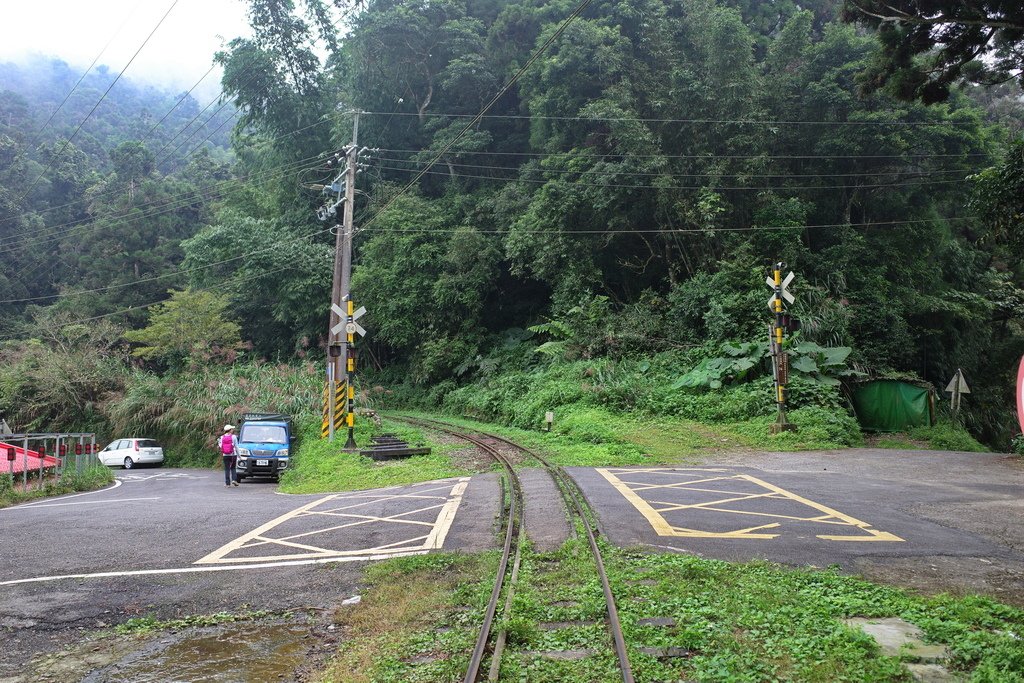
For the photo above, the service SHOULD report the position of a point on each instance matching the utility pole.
(341, 356)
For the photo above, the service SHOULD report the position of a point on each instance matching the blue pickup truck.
(264, 445)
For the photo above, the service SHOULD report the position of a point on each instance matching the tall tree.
(927, 45)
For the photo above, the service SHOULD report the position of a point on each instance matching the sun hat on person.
(228, 428)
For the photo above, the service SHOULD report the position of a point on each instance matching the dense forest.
(599, 239)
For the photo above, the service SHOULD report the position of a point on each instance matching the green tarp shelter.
(888, 405)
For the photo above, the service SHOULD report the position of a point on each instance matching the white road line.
(85, 502)
(196, 570)
(41, 503)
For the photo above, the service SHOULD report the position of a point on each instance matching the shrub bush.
(947, 436)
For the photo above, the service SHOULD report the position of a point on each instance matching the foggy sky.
(177, 55)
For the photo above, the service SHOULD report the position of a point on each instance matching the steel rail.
(512, 529)
(571, 490)
(570, 493)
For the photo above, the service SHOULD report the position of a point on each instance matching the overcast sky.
(177, 55)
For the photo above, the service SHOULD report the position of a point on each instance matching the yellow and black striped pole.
(334, 408)
(780, 359)
(350, 371)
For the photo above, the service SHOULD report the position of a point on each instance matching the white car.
(131, 452)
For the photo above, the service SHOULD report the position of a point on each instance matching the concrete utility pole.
(339, 367)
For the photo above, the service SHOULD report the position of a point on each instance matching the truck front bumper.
(255, 466)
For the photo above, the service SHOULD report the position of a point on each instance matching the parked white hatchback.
(131, 452)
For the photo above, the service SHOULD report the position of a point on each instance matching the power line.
(639, 119)
(476, 119)
(520, 169)
(162, 207)
(178, 103)
(71, 92)
(142, 307)
(669, 231)
(577, 155)
(114, 191)
(271, 247)
(683, 187)
(53, 157)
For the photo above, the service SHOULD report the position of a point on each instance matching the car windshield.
(147, 443)
(263, 434)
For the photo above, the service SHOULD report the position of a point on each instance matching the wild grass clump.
(185, 412)
(89, 479)
(947, 436)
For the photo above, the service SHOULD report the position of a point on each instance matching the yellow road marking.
(852, 521)
(662, 527)
(671, 507)
(451, 492)
(363, 519)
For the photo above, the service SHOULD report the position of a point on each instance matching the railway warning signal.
(783, 322)
(78, 449)
(779, 289)
(348, 324)
(42, 450)
(10, 454)
(63, 449)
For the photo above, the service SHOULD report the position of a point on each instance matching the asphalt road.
(931, 520)
(171, 543)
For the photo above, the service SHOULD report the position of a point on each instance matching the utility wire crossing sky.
(75, 31)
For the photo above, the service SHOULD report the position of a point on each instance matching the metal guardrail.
(47, 451)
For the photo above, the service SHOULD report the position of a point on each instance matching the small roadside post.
(957, 387)
(1020, 394)
(776, 336)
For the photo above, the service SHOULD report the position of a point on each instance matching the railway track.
(508, 568)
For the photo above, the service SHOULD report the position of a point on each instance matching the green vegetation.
(599, 241)
(89, 479)
(396, 618)
(947, 436)
(320, 465)
(143, 626)
(739, 622)
(190, 326)
(944, 436)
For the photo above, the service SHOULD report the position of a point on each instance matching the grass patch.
(896, 442)
(947, 436)
(89, 479)
(747, 622)
(320, 465)
(943, 436)
(148, 624)
(598, 438)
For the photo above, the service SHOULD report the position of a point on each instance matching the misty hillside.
(30, 93)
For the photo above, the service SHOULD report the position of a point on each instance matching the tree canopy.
(928, 45)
